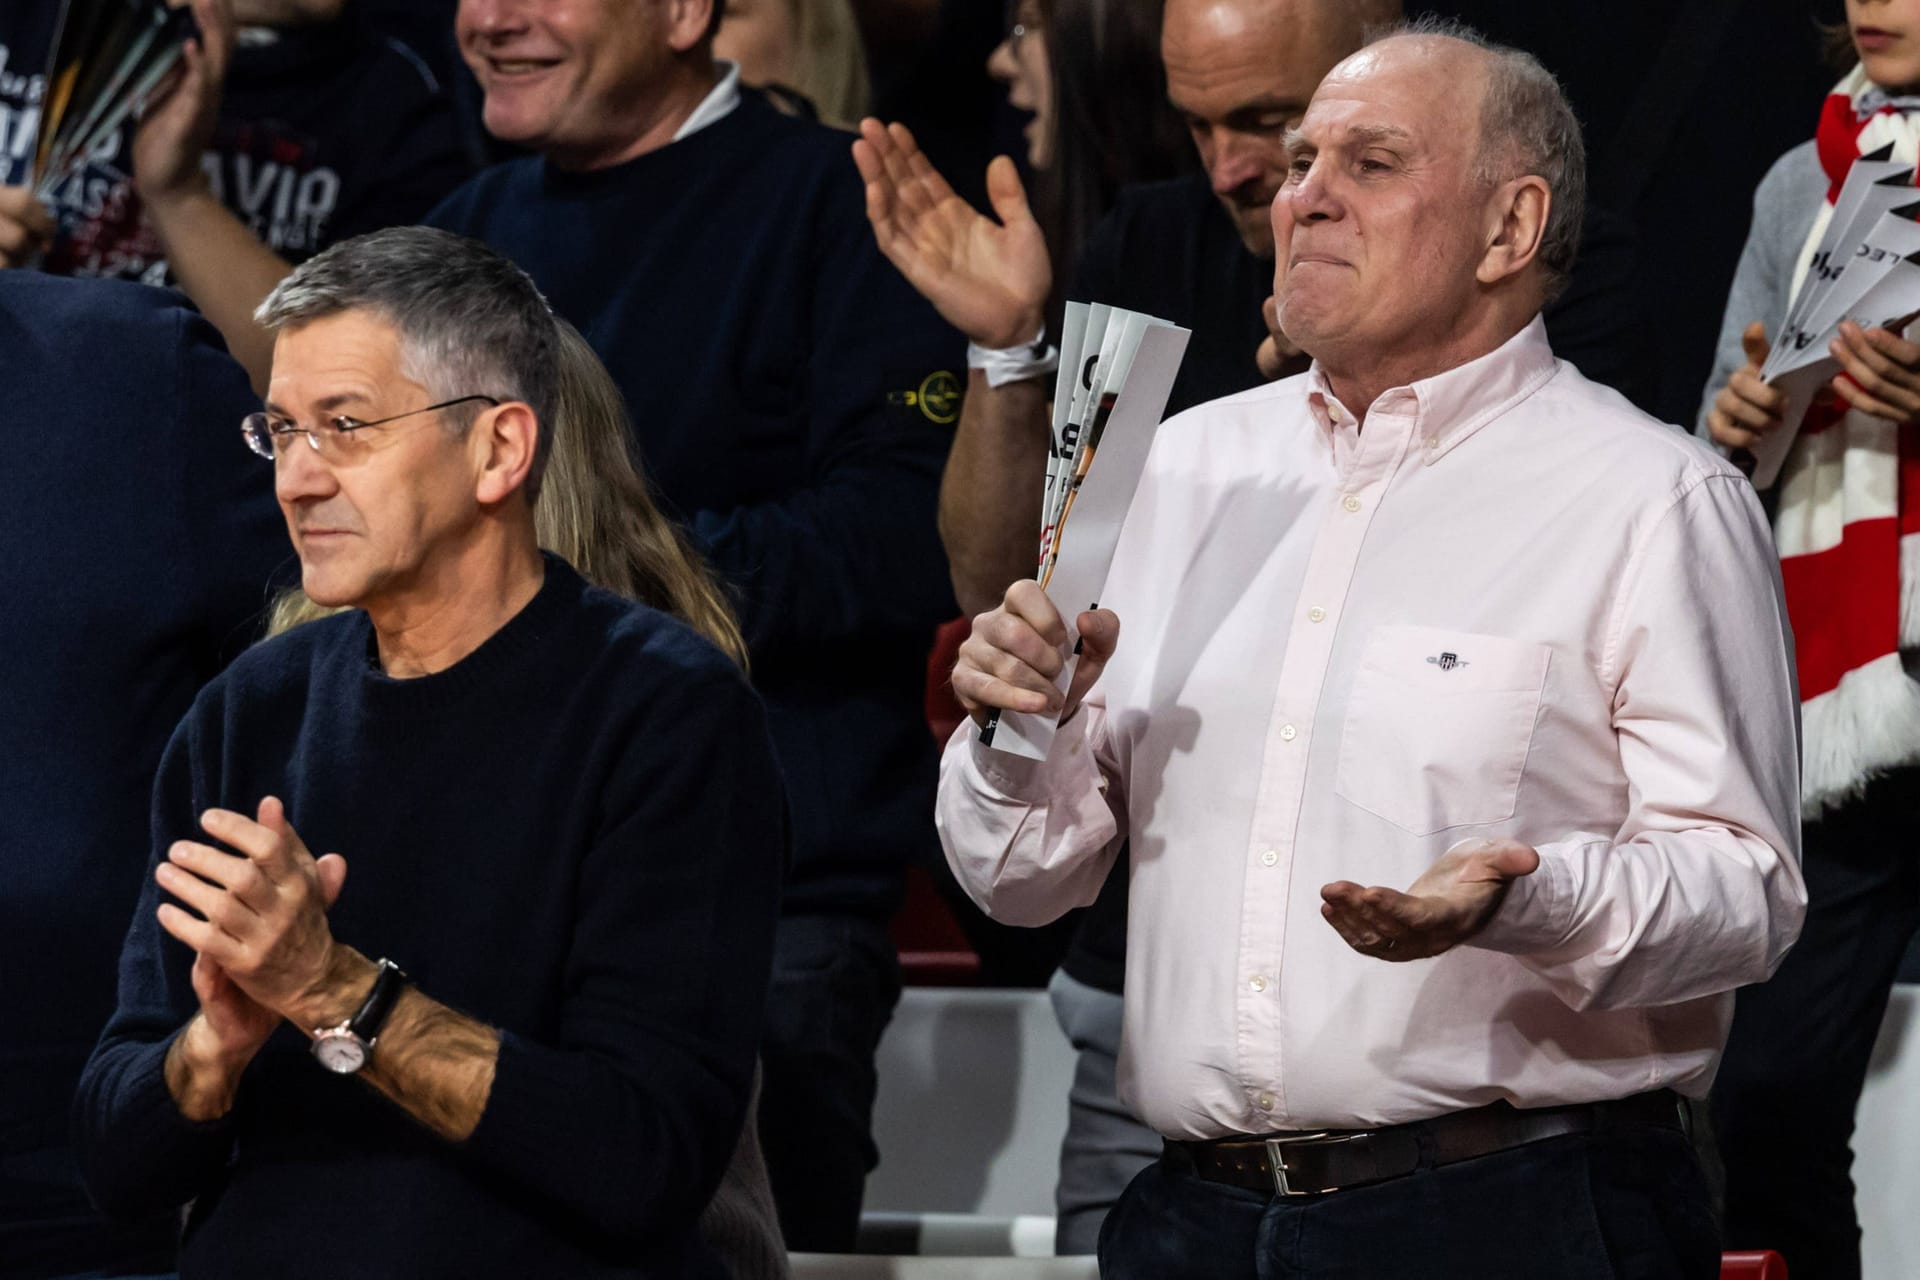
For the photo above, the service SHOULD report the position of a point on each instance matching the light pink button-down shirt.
(1512, 606)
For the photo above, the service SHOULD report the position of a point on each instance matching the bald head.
(1520, 119)
(1411, 226)
(1241, 73)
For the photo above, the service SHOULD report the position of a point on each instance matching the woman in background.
(1089, 71)
(809, 48)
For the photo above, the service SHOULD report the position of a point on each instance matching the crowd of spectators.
(613, 692)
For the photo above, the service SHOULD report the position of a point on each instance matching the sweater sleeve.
(1784, 206)
(627, 1115)
(855, 546)
(137, 1153)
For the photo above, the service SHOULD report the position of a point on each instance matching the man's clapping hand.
(264, 905)
(988, 279)
(1016, 652)
(265, 918)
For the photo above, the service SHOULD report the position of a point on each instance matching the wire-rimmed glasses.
(267, 433)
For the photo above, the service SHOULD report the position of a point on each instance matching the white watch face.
(340, 1050)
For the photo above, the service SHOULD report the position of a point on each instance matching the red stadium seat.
(1762, 1265)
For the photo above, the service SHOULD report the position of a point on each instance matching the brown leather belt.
(1308, 1164)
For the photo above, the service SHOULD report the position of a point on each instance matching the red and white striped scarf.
(1848, 528)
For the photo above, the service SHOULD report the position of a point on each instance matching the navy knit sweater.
(793, 403)
(574, 834)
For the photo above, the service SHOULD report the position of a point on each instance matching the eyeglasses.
(268, 434)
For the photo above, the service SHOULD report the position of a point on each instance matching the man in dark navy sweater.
(562, 815)
(793, 402)
(142, 550)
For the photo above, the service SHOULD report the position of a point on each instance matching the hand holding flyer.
(1116, 371)
(1865, 269)
(110, 58)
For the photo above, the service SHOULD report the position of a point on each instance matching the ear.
(503, 440)
(1517, 221)
(687, 22)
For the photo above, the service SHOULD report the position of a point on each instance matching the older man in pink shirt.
(1442, 617)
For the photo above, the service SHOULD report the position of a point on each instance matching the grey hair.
(1527, 129)
(470, 322)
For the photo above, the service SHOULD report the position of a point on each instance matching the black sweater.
(778, 371)
(574, 834)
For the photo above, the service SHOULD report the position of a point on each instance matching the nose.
(1235, 162)
(489, 19)
(1307, 198)
(1000, 63)
(300, 474)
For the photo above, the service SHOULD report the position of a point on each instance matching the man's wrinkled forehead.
(1403, 93)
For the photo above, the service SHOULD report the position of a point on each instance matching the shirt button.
(1433, 442)
(1268, 858)
(1352, 503)
(1257, 982)
(1288, 733)
(1264, 1102)
(1316, 614)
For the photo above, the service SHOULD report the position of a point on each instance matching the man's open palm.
(989, 279)
(1450, 902)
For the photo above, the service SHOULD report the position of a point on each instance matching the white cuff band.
(1036, 359)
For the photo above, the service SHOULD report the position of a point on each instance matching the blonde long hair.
(596, 512)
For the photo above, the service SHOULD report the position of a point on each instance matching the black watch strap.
(379, 1003)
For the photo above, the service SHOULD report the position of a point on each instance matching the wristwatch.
(344, 1049)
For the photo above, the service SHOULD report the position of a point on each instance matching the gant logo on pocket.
(1448, 661)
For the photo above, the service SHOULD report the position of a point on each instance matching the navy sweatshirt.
(141, 543)
(574, 834)
(794, 400)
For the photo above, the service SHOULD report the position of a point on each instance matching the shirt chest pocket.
(1438, 727)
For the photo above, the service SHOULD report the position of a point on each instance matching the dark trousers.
(835, 982)
(1783, 1103)
(1624, 1203)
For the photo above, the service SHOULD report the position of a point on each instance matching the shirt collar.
(1450, 406)
(1878, 99)
(717, 104)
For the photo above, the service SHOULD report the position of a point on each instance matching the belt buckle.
(1276, 1156)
